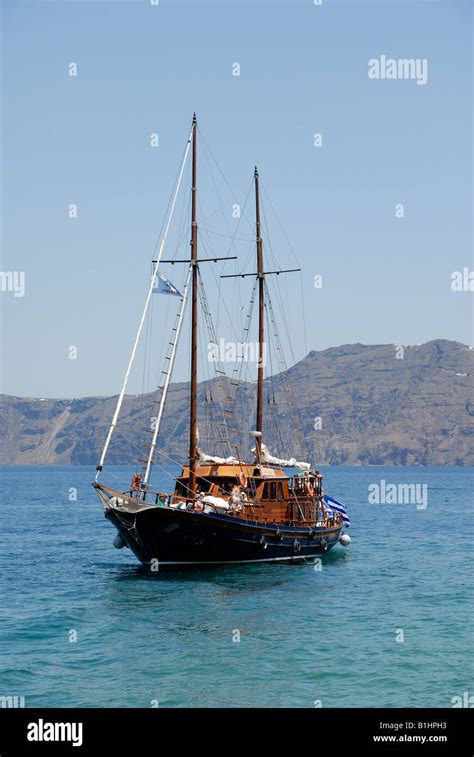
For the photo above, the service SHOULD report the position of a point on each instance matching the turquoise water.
(305, 635)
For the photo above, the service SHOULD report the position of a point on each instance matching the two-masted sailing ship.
(222, 509)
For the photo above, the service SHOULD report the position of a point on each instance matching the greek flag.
(333, 504)
(165, 286)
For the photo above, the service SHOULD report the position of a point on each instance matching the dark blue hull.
(174, 537)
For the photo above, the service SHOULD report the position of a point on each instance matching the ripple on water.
(240, 636)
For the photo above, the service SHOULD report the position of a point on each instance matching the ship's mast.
(260, 274)
(194, 329)
(261, 321)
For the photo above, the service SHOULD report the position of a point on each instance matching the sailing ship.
(221, 509)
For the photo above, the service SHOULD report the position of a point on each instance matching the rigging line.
(231, 246)
(227, 236)
(170, 359)
(150, 342)
(268, 241)
(100, 465)
(267, 196)
(159, 452)
(174, 192)
(277, 287)
(233, 237)
(271, 377)
(280, 432)
(146, 360)
(244, 374)
(183, 225)
(242, 367)
(237, 285)
(284, 378)
(286, 327)
(306, 352)
(283, 318)
(182, 234)
(205, 242)
(277, 283)
(251, 224)
(120, 433)
(129, 441)
(279, 299)
(250, 256)
(164, 333)
(219, 367)
(214, 212)
(147, 327)
(245, 334)
(179, 465)
(203, 436)
(122, 480)
(223, 300)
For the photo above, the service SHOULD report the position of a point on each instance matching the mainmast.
(261, 321)
(194, 329)
(260, 274)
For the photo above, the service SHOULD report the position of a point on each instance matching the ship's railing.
(250, 510)
(251, 513)
(148, 497)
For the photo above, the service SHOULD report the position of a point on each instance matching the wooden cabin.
(269, 494)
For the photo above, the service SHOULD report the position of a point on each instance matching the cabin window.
(226, 485)
(273, 490)
(203, 485)
(181, 488)
(252, 487)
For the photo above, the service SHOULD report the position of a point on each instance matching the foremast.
(261, 321)
(193, 441)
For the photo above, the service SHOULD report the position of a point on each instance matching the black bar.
(122, 731)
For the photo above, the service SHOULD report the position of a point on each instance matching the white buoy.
(345, 539)
(119, 542)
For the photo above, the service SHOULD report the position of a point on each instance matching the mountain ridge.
(374, 408)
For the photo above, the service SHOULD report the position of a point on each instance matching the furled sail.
(203, 458)
(266, 457)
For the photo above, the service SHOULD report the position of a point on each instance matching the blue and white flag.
(333, 504)
(165, 286)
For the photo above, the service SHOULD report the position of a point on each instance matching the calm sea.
(386, 622)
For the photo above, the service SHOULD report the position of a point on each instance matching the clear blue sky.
(144, 69)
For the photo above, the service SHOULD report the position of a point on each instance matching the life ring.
(243, 479)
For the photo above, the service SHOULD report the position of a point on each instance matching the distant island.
(360, 405)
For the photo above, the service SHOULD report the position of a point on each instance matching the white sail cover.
(291, 463)
(203, 458)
